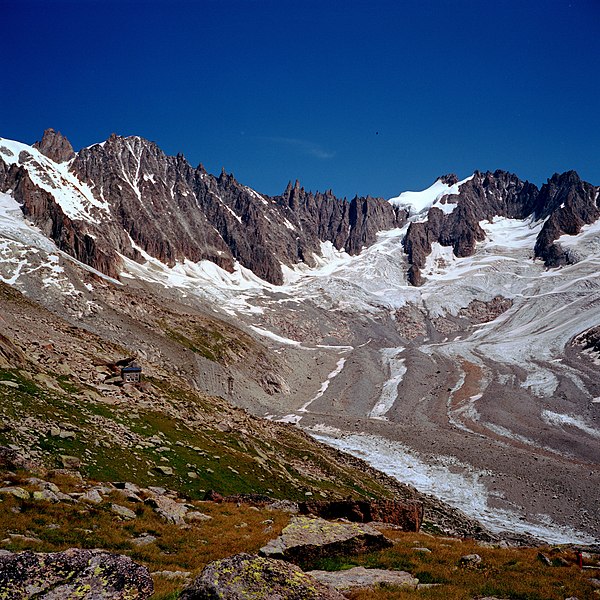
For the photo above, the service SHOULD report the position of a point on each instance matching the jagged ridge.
(565, 202)
(161, 205)
(143, 201)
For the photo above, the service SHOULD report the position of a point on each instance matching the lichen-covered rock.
(122, 511)
(304, 540)
(170, 510)
(74, 573)
(17, 492)
(246, 576)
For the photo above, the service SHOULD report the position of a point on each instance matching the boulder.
(70, 462)
(469, 560)
(17, 492)
(359, 577)
(74, 573)
(247, 576)
(93, 495)
(213, 496)
(170, 510)
(122, 511)
(12, 460)
(407, 515)
(305, 540)
(45, 496)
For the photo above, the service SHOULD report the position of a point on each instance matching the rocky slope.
(64, 405)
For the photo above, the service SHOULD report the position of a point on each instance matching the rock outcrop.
(407, 515)
(306, 540)
(484, 196)
(359, 577)
(55, 146)
(567, 203)
(246, 576)
(74, 573)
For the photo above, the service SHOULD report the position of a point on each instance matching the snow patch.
(553, 418)
(324, 385)
(419, 202)
(389, 393)
(73, 196)
(274, 336)
(445, 477)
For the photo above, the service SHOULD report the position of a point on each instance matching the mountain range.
(449, 337)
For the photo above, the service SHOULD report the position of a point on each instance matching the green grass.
(247, 462)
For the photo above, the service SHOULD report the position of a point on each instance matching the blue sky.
(361, 97)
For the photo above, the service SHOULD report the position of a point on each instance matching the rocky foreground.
(67, 537)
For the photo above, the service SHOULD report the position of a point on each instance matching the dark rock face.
(147, 202)
(246, 576)
(74, 573)
(55, 146)
(485, 196)
(76, 238)
(162, 206)
(151, 201)
(304, 540)
(567, 203)
(408, 515)
(350, 226)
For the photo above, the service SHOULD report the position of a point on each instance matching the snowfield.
(448, 479)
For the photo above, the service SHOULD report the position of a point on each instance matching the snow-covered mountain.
(449, 337)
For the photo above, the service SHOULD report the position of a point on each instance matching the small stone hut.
(132, 373)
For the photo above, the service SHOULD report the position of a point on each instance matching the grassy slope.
(125, 433)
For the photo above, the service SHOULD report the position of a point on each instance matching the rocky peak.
(483, 197)
(567, 203)
(449, 179)
(55, 146)
(557, 190)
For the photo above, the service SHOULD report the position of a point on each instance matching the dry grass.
(515, 573)
(232, 529)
